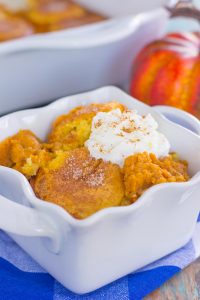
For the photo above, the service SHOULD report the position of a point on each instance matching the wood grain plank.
(183, 286)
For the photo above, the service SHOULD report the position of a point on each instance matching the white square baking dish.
(42, 68)
(85, 255)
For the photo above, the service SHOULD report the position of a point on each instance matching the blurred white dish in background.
(42, 68)
(118, 8)
(110, 8)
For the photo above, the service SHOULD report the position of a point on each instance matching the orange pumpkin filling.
(143, 170)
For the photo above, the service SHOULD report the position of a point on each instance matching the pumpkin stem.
(184, 8)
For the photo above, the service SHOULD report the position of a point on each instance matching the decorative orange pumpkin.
(167, 72)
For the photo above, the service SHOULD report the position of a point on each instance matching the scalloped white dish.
(86, 254)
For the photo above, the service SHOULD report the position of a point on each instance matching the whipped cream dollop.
(116, 135)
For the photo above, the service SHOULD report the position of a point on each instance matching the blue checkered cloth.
(22, 278)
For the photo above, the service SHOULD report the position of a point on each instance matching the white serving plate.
(85, 255)
(38, 69)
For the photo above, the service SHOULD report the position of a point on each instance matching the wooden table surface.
(183, 286)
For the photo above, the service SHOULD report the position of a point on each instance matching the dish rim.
(99, 215)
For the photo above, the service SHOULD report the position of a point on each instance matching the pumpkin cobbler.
(95, 156)
(42, 16)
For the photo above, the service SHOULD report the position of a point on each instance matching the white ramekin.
(86, 254)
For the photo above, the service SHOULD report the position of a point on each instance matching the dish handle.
(180, 117)
(22, 220)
